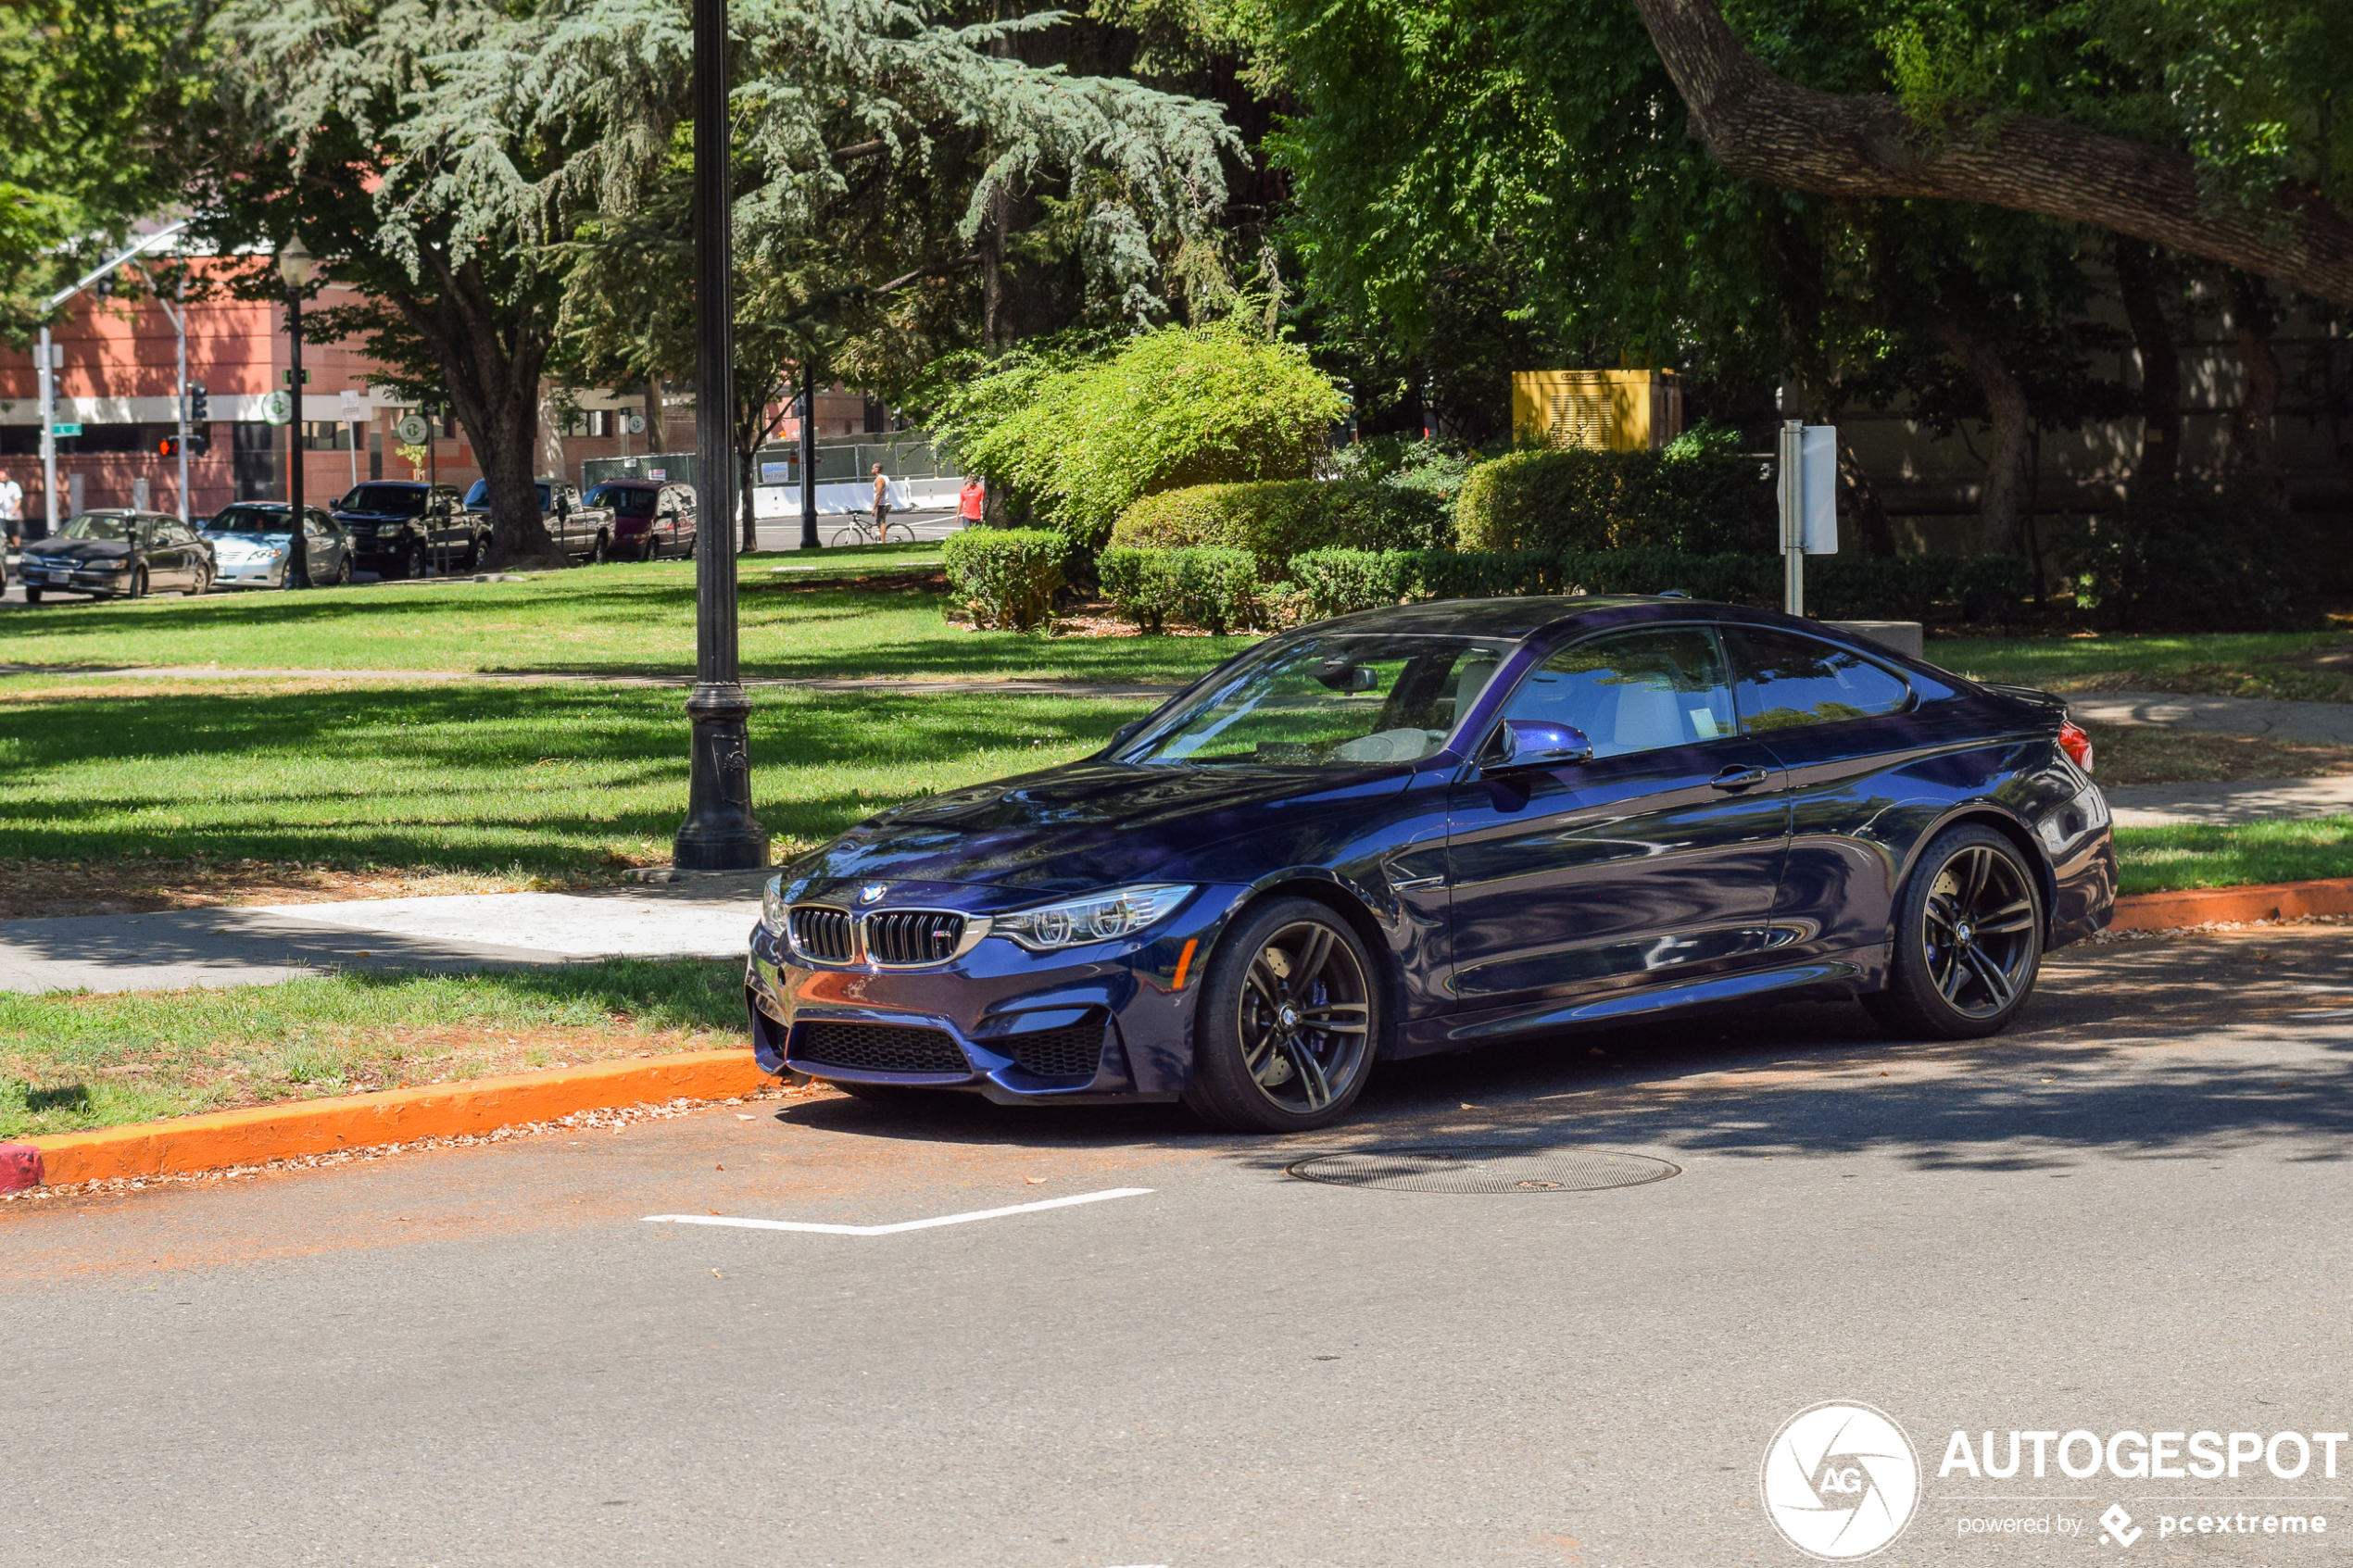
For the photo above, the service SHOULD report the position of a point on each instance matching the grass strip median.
(2165, 859)
(70, 1062)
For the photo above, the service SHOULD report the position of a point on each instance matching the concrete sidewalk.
(2310, 724)
(2229, 801)
(255, 945)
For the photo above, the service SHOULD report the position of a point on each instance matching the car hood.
(350, 518)
(78, 549)
(250, 541)
(1086, 825)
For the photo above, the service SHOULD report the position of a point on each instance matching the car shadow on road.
(2183, 1048)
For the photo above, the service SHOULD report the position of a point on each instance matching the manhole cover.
(1485, 1168)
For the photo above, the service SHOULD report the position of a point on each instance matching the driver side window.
(1634, 691)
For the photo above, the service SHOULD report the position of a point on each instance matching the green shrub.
(1484, 574)
(1334, 583)
(1863, 588)
(1695, 501)
(2195, 559)
(1175, 408)
(1277, 522)
(1991, 590)
(1217, 590)
(1141, 584)
(1723, 576)
(1006, 577)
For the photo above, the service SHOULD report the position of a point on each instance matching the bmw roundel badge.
(873, 892)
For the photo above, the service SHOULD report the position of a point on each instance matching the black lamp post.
(294, 265)
(808, 457)
(720, 833)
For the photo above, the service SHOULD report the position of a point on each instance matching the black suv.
(399, 528)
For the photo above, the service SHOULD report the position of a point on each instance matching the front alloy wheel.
(1968, 940)
(1287, 1024)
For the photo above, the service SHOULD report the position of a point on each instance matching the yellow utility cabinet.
(1608, 410)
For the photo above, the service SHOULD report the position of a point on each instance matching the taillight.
(2077, 744)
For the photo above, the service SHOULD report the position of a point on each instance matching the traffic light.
(199, 404)
(198, 444)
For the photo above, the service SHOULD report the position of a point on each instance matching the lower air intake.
(877, 1048)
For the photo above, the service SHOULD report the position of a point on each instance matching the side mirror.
(1529, 744)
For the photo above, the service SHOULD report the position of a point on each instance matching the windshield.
(390, 500)
(626, 499)
(478, 495)
(250, 520)
(100, 525)
(1328, 701)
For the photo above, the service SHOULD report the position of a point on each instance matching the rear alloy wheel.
(1968, 940)
(202, 582)
(342, 571)
(1287, 1024)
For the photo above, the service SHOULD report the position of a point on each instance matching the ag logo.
(1841, 1481)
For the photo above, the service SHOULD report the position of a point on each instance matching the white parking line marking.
(891, 1230)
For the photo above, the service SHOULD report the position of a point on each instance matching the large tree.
(2211, 127)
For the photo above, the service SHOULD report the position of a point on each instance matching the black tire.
(1968, 940)
(342, 571)
(298, 573)
(599, 552)
(202, 582)
(476, 547)
(138, 583)
(411, 561)
(1288, 1021)
(32, 595)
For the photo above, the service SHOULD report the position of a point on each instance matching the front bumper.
(252, 573)
(993, 1005)
(76, 581)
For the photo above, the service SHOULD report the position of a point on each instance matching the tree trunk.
(1757, 123)
(2160, 457)
(654, 415)
(2001, 502)
(1863, 508)
(2255, 439)
(491, 354)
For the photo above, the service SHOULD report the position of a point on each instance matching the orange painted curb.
(321, 1126)
(2203, 906)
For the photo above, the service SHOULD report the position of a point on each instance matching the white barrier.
(776, 502)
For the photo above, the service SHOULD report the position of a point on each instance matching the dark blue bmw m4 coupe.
(1427, 828)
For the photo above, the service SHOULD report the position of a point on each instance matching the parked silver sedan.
(257, 547)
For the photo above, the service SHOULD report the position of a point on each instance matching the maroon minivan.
(649, 519)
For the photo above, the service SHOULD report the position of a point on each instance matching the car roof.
(635, 483)
(1515, 618)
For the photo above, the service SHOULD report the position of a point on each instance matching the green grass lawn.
(623, 619)
(2303, 666)
(71, 1061)
(545, 778)
(2162, 859)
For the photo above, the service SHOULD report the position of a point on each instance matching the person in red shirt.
(971, 500)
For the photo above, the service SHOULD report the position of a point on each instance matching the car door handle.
(1737, 778)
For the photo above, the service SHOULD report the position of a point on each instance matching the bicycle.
(860, 532)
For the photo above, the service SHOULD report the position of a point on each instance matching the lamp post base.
(720, 833)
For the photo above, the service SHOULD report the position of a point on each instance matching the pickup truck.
(582, 532)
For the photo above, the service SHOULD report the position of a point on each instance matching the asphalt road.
(2128, 1215)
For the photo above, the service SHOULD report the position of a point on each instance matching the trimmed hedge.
(2193, 558)
(1703, 503)
(1006, 577)
(1980, 588)
(1219, 590)
(1277, 521)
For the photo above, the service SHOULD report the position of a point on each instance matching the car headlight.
(771, 906)
(1099, 917)
(111, 565)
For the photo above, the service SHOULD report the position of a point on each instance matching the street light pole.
(808, 457)
(294, 264)
(719, 831)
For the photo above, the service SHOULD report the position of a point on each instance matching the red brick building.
(116, 379)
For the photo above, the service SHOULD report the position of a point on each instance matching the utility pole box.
(1809, 503)
(1606, 410)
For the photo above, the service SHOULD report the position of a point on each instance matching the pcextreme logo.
(1841, 1481)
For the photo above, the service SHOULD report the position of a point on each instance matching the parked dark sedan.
(1424, 829)
(118, 554)
(649, 519)
(399, 528)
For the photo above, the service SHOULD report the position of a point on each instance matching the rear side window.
(1785, 680)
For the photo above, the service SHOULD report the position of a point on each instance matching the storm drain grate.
(1485, 1168)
